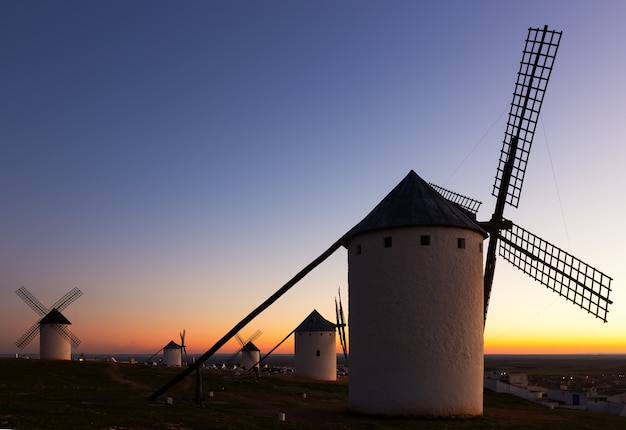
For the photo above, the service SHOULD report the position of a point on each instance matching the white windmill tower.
(250, 354)
(55, 338)
(172, 354)
(315, 344)
(416, 294)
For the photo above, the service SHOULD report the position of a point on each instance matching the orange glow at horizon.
(564, 345)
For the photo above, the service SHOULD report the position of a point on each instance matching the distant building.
(250, 356)
(172, 354)
(316, 348)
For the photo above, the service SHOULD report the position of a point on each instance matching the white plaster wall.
(307, 363)
(52, 344)
(250, 358)
(416, 323)
(171, 357)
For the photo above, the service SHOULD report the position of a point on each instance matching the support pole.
(241, 324)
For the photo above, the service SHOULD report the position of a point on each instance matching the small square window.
(358, 250)
(480, 248)
(425, 240)
(387, 242)
(460, 243)
(317, 353)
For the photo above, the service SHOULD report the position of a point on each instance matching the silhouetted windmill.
(250, 354)
(417, 287)
(56, 339)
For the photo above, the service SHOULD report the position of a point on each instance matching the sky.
(180, 161)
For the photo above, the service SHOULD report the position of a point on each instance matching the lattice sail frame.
(532, 80)
(465, 202)
(571, 278)
(42, 311)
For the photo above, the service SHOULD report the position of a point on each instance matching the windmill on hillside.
(250, 354)
(55, 338)
(417, 290)
(315, 345)
(173, 352)
(315, 348)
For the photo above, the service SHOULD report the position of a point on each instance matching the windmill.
(55, 340)
(250, 354)
(315, 345)
(417, 288)
(341, 324)
(173, 352)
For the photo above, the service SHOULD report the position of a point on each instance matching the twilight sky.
(180, 161)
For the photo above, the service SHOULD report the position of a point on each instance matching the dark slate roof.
(172, 345)
(249, 347)
(315, 322)
(54, 317)
(413, 202)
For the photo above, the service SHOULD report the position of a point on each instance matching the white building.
(250, 356)
(416, 306)
(315, 345)
(54, 339)
(172, 354)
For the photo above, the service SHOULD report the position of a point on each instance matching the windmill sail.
(32, 301)
(464, 202)
(67, 299)
(28, 336)
(532, 81)
(578, 282)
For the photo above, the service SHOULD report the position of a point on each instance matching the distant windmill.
(315, 345)
(417, 290)
(173, 352)
(250, 354)
(55, 338)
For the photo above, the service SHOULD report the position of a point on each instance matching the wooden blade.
(67, 299)
(30, 334)
(532, 80)
(32, 301)
(342, 328)
(68, 335)
(460, 200)
(578, 282)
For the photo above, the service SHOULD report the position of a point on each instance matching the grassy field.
(38, 394)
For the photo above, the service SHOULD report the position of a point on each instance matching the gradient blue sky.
(180, 161)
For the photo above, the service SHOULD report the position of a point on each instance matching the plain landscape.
(39, 394)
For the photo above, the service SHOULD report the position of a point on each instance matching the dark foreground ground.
(38, 394)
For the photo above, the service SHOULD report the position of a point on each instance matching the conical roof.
(54, 317)
(411, 203)
(315, 322)
(249, 347)
(172, 345)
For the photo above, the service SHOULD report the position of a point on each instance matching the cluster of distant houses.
(516, 383)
